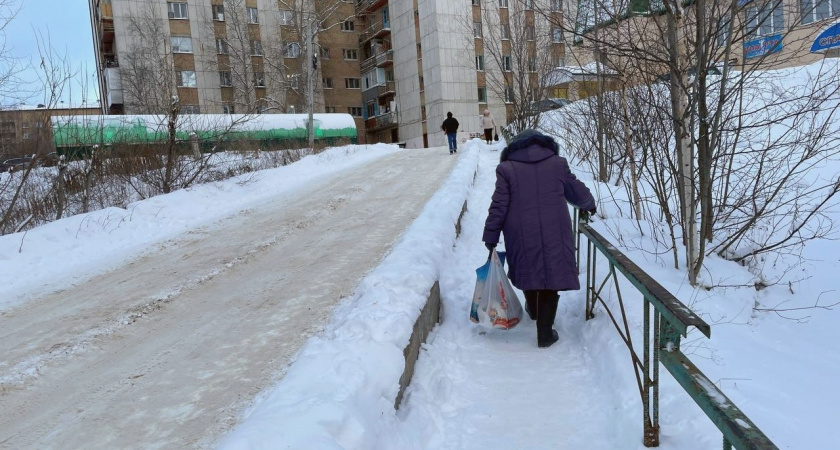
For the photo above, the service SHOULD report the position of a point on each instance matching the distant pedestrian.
(450, 127)
(529, 205)
(489, 125)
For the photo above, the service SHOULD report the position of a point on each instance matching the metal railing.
(663, 329)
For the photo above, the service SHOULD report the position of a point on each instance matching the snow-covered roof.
(567, 74)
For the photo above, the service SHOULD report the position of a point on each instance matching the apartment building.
(227, 56)
(766, 34)
(424, 58)
(397, 65)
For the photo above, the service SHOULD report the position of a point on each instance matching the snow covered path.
(498, 390)
(166, 351)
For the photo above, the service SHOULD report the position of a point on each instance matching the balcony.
(375, 30)
(368, 6)
(380, 122)
(113, 87)
(386, 89)
(382, 59)
(385, 58)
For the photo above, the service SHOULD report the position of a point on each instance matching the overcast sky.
(66, 23)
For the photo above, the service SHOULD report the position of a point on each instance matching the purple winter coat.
(533, 185)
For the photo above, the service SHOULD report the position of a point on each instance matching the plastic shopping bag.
(494, 303)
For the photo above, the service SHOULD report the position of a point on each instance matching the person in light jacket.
(489, 125)
(529, 205)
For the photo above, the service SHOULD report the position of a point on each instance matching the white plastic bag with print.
(494, 303)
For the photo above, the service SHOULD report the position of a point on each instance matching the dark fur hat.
(528, 138)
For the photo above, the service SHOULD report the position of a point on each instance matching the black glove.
(489, 246)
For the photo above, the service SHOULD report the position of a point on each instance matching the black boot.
(546, 310)
(531, 304)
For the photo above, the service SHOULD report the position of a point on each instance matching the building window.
(177, 10)
(560, 61)
(324, 52)
(293, 81)
(286, 17)
(256, 48)
(556, 34)
(329, 109)
(532, 64)
(186, 78)
(505, 31)
(479, 62)
(227, 109)
(557, 5)
(816, 10)
(350, 54)
(225, 79)
(259, 79)
(190, 109)
(765, 19)
(476, 2)
(503, 3)
(529, 4)
(221, 47)
(181, 44)
(355, 111)
(291, 50)
(482, 95)
(219, 13)
(389, 75)
(352, 83)
(371, 109)
(529, 32)
(327, 82)
(508, 94)
(477, 30)
(507, 63)
(253, 15)
(348, 25)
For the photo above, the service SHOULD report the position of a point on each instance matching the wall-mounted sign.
(829, 38)
(763, 46)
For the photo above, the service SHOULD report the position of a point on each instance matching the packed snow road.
(166, 351)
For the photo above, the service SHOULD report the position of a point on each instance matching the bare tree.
(736, 163)
(517, 53)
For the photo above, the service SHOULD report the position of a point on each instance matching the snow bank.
(344, 382)
(75, 248)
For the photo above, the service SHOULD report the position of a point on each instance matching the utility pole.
(310, 62)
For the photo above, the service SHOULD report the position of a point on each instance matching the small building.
(25, 129)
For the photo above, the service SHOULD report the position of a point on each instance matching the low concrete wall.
(430, 316)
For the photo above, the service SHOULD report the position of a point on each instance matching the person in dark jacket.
(529, 205)
(450, 127)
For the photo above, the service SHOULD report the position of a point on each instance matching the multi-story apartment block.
(227, 56)
(424, 58)
(397, 65)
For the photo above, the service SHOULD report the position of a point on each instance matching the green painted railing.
(663, 329)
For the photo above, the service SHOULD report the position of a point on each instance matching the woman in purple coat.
(533, 186)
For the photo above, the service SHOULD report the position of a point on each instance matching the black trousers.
(488, 135)
(543, 307)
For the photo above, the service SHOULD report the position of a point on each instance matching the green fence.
(666, 321)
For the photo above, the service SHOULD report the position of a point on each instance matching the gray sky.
(66, 23)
